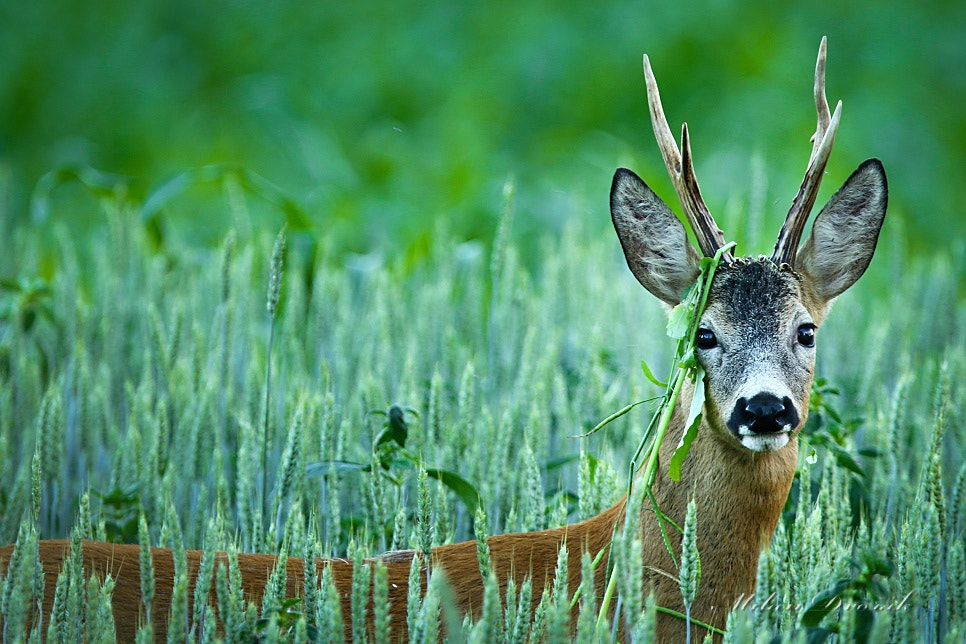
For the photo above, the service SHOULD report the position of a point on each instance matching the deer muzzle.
(764, 421)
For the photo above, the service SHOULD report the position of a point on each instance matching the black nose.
(764, 414)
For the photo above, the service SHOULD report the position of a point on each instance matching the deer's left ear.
(845, 233)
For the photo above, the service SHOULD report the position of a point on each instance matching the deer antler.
(681, 168)
(786, 248)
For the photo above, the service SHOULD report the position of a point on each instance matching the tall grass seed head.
(275, 277)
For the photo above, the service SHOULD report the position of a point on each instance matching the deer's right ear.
(654, 240)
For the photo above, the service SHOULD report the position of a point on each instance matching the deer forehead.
(755, 303)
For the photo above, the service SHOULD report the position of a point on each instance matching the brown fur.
(519, 555)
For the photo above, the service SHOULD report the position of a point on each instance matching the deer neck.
(739, 496)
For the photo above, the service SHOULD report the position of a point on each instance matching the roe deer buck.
(756, 343)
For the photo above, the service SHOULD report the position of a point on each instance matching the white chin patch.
(763, 442)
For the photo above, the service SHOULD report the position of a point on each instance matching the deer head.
(757, 337)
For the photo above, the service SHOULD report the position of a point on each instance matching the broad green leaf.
(397, 425)
(160, 196)
(460, 486)
(556, 463)
(95, 182)
(825, 602)
(694, 420)
(11, 285)
(324, 468)
(846, 460)
(679, 319)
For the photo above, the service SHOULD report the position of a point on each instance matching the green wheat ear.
(147, 566)
(424, 524)
(427, 622)
(329, 615)
(414, 597)
(203, 612)
(380, 602)
(100, 619)
(359, 597)
(628, 561)
(587, 628)
(558, 617)
(482, 541)
(690, 569)
(488, 627)
(511, 614)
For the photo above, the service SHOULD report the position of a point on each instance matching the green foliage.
(863, 590)
(391, 459)
(120, 512)
(827, 429)
(329, 615)
(587, 627)
(482, 544)
(285, 620)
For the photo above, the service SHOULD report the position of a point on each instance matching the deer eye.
(806, 335)
(705, 339)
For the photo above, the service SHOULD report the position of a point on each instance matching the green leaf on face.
(650, 375)
(688, 360)
(694, 420)
(678, 321)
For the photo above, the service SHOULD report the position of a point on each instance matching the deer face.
(756, 343)
(758, 334)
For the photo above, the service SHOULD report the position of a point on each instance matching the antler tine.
(821, 103)
(786, 248)
(681, 169)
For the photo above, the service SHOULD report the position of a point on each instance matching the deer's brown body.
(520, 555)
(756, 344)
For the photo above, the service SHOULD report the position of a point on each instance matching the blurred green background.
(381, 118)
